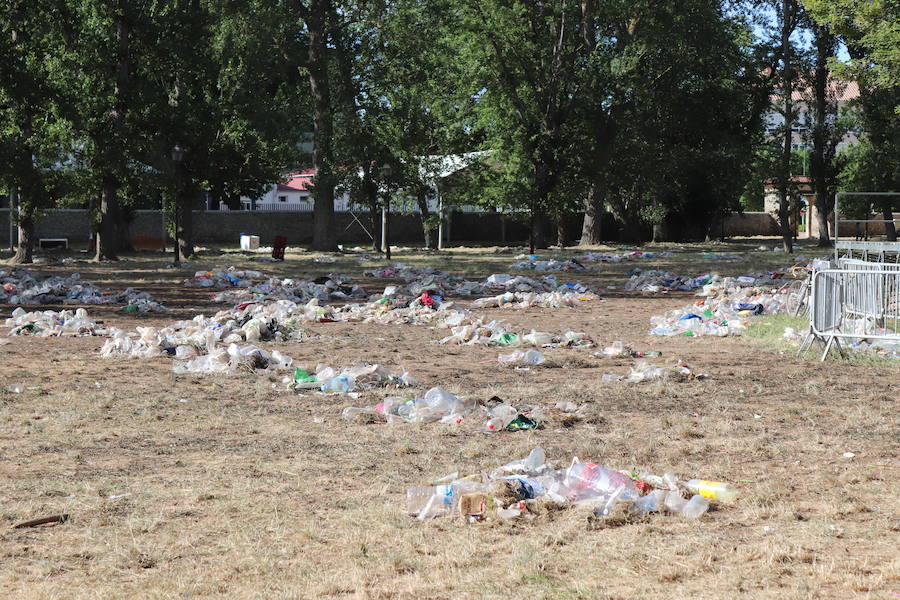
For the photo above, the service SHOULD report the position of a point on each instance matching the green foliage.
(35, 136)
(871, 30)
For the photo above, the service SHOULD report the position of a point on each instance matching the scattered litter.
(644, 371)
(550, 265)
(15, 389)
(521, 300)
(531, 262)
(617, 349)
(326, 288)
(518, 357)
(223, 278)
(348, 379)
(436, 405)
(230, 360)
(531, 486)
(50, 323)
(23, 287)
(659, 281)
(724, 311)
(848, 455)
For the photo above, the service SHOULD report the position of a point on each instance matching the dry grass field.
(214, 486)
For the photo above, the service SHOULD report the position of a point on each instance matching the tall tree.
(35, 139)
(224, 112)
(870, 32)
(787, 22)
(313, 21)
(824, 139)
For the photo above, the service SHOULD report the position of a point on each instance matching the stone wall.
(751, 224)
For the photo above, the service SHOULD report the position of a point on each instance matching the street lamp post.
(386, 172)
(177, 158)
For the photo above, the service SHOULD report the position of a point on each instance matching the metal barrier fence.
(858, 301)
(864, 250)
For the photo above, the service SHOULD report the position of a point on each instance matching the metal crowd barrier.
(857, 301)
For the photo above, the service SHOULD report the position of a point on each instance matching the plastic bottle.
(340, 383)
(433, 501)
(714, 490)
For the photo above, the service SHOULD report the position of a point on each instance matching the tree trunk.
(540, 231)
(13, 193)
(887, 213)
(386, 229)
(561, 238)
(591, 230)
(819, 170)
(106, 235)
(786, 89)
(422, 201)
(370, 189)
(108, 238)
(25, 249)
(324, 235)
(185, 229)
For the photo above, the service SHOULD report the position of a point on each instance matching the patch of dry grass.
(199, 487)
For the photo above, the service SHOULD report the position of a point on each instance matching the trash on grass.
(526, 488)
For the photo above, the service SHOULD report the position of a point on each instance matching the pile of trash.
(348, 379)
(476, 331)
(664, 281)
(223, 278)
(531, 263)
(254, 323)
(531, 487)
(50, 323)
(230, 359)
(724, 312)
(21, 286)
(420, 280)
(439, 405)
(284, 320)
(326, 288)
(440, 284)
(519, 300)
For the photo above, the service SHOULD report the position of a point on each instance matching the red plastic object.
(278, 247)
